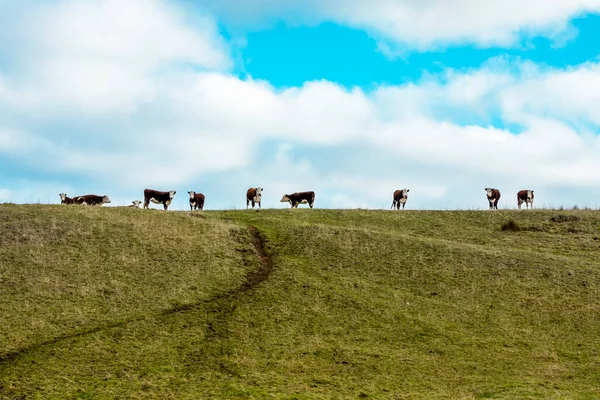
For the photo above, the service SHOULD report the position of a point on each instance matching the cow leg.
(519, 204)
(165, 206)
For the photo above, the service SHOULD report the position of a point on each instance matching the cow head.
(530, 195)
(285, 199)
(136, 203)
(105, 199)
(172, 194)
(191, 193)
(488, 192)
(405, 192)
(258, 195)
(63, 196)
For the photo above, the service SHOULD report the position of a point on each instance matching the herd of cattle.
(254, 196)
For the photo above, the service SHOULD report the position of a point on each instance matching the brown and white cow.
(92, 200)
(525, 196)
(254, 195)
(158, 197)
(299, 198)
(196, 200)
(400, 198)
(135, 204)
(65, 200)
(493, 196)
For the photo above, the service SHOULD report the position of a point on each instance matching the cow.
(196, 200)
(66, 200)
(400, 198)
(135, 204)
(493, 196)
(158, 197)
(299, 198)
(91, 200)
(254, 195)
(525, 196)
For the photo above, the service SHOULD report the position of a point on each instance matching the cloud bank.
(419, 25)
(124, 97)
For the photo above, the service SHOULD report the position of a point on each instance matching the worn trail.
(253, 279)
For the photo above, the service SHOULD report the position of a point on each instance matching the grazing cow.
(299, 198)
(66, 200)
(158, 197)
(493, 196)
(135, 204)
(196, 200)
(254, 195)
(91, 200)
(400, 198)
(525, 196)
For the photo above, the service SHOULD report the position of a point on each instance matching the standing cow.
(400, 198)
(158, 197)
(254, 195)
(299, 198)
(493, 196)
(91, 200)
(525, 196)
(196, 200)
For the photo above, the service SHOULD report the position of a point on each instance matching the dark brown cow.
(196, 200)
(91, 199)
(400, 198)
(525, 196)
(66, 200)
(493, 196)
(254, 195)
(158, 197)
(299, 198)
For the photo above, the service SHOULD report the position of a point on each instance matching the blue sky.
(290, 56)
(352, 100)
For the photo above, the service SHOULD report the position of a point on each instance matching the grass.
(298, 304)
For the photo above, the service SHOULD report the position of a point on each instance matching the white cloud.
(122, 116)
(101, 56)
(419, 24)
(571, 94)
(231, 118)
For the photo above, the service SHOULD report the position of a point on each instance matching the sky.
(349, 98)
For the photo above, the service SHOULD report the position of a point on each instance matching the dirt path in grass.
(252, 279)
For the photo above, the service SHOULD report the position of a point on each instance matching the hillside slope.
(304, 304)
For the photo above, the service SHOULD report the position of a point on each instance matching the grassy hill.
(298, 304)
